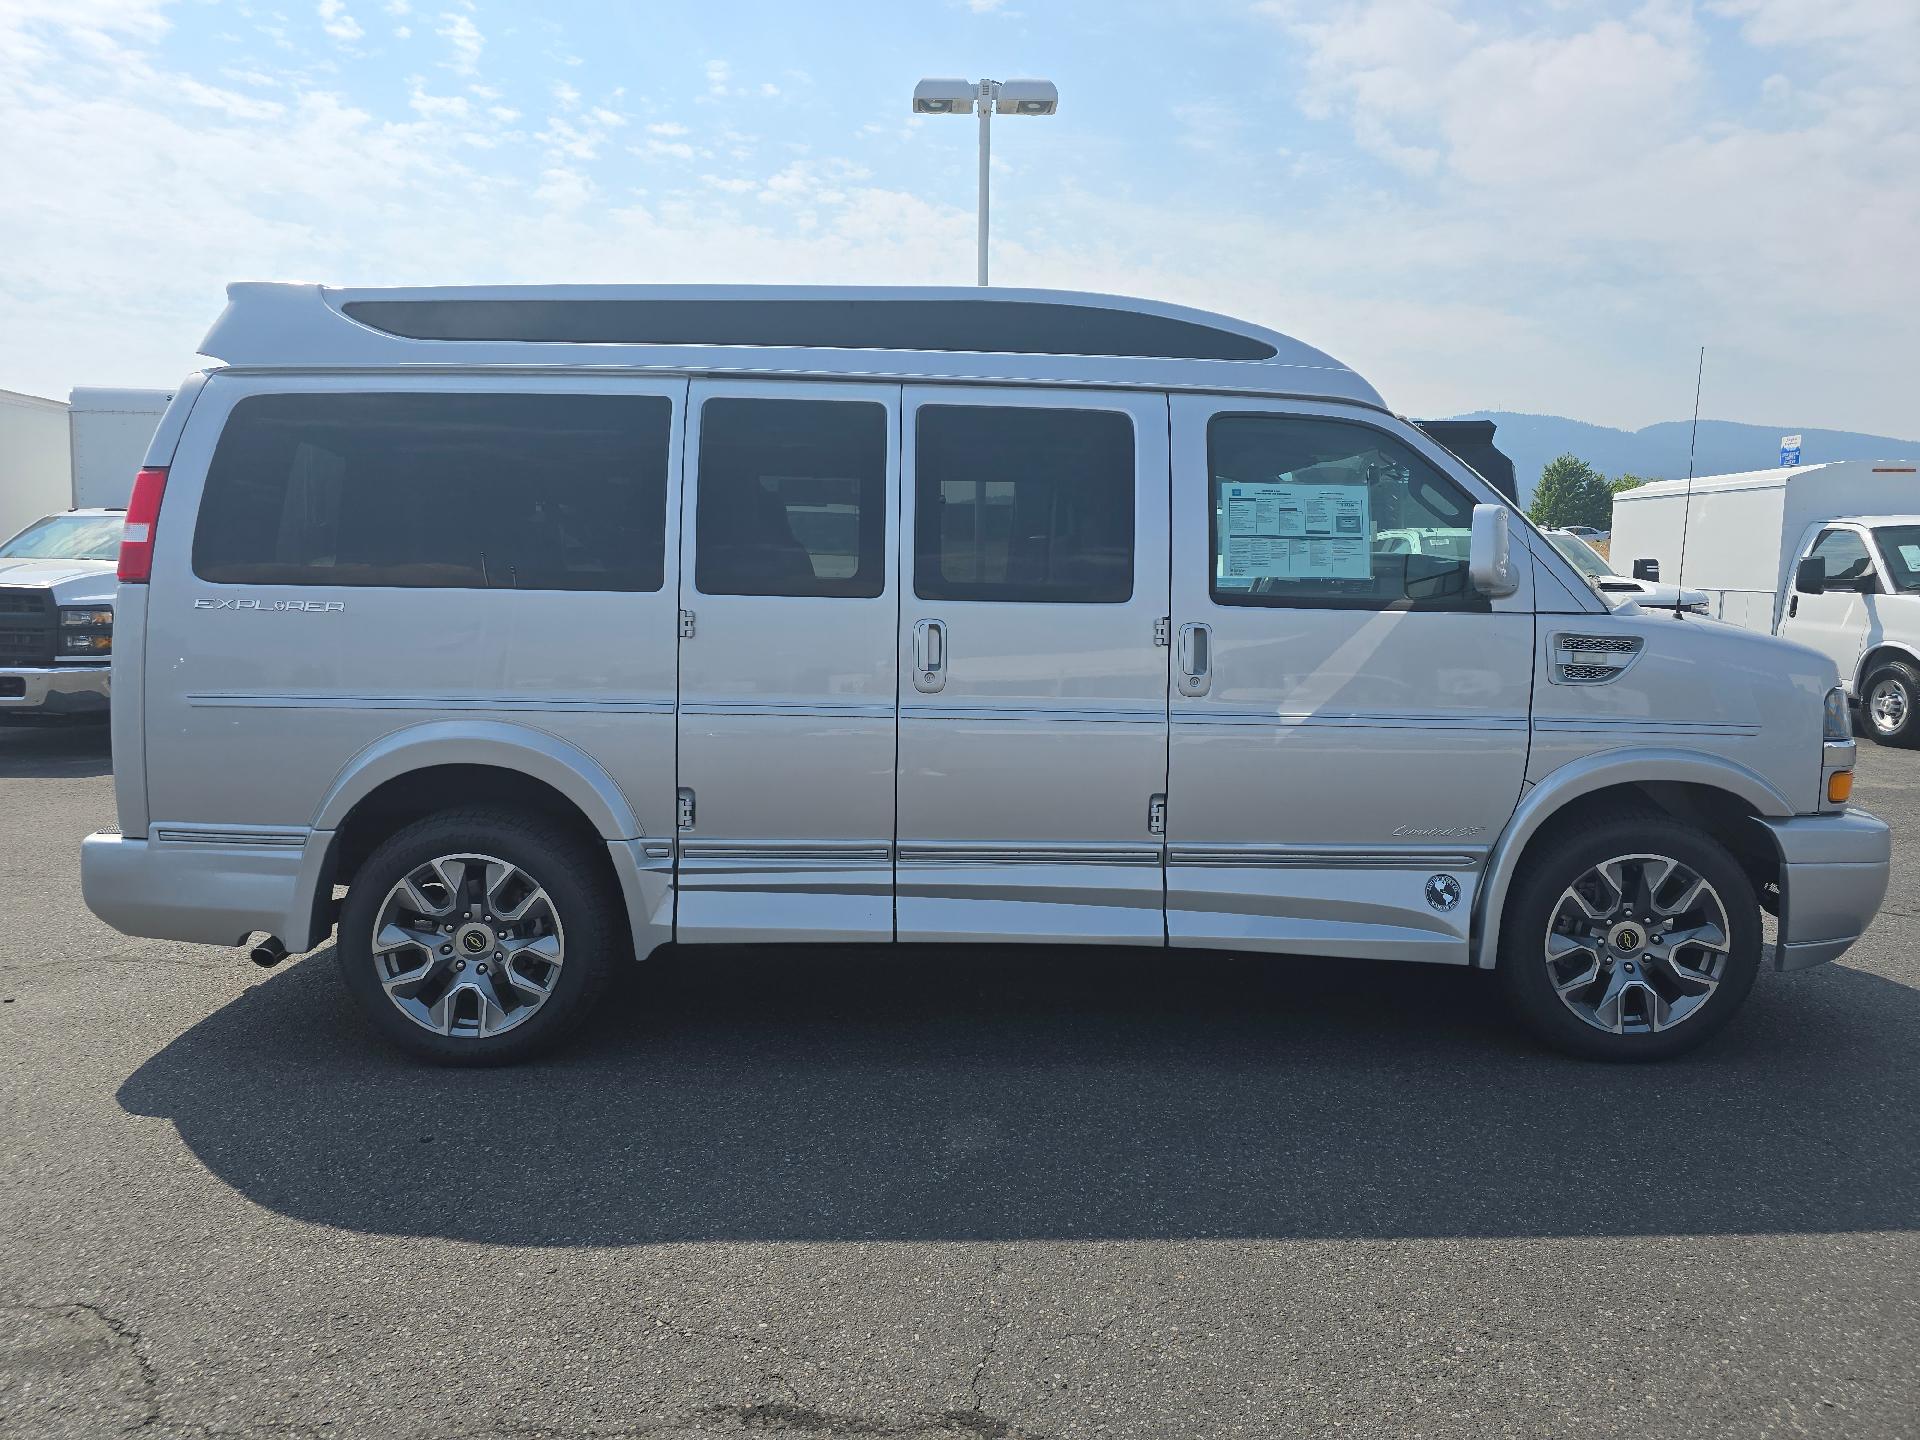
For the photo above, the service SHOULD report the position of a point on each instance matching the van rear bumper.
(210, 894)
(64, 690)
(1833, 876)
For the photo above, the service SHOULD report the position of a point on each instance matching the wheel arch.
(1877, 655)
(438, 764)
(1707, 791)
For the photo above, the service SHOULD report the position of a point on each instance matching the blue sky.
(1540, 207)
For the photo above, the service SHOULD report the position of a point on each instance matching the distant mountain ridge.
(1659, 452)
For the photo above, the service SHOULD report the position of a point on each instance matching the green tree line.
(1572, 492)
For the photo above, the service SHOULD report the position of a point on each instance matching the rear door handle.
(1793, 606)
(1196, 659)
(929, 656)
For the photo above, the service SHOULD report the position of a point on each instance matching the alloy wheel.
(468, 945)
(1637, 944)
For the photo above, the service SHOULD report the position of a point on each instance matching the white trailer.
(110, 433)
(1742, 533)
(34, 469)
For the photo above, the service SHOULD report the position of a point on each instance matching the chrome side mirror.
(1490, 566)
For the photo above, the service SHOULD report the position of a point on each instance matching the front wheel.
(478, 937)
(1633, 939)
(1888, 704)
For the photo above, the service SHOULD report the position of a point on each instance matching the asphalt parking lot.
(924, 1194)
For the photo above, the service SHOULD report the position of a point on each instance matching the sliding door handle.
(929, 656)
(1196, 659)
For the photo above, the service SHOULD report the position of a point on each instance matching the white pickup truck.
(57, 575)
(56, 616)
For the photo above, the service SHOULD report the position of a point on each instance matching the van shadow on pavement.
(950, 1094)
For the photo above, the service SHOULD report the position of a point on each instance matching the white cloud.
(566, 95)
(465, 38)
(335, 20)
(719, 72)
(668, 128)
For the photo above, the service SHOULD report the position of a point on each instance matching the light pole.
(984, 97)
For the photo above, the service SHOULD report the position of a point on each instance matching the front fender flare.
(1553, 792)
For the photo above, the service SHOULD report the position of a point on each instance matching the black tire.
(1901, 684)
(1563, 859)
(582, 905)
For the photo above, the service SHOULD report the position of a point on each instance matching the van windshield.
(67, 537)
(1900, 548)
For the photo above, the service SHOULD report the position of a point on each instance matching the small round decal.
(1443, 892)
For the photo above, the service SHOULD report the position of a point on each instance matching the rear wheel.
(478, 937)
(1633, 939)
(1889, 701)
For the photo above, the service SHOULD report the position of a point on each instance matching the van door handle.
(1793, 606)
(1196, 659)
(929, 656)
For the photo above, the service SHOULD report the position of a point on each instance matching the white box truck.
(34, 470)
(110, 431)
(1828, 555)
(1742, 533)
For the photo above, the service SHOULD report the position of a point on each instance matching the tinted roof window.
(1019, 327)
(468, 491)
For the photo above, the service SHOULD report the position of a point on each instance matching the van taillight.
(143, 513)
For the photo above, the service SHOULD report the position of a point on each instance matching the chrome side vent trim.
(1592, 659)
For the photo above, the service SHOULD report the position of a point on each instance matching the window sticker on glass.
(1296, 532)
(1911, 555)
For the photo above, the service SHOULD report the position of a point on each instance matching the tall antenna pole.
(1686, 515)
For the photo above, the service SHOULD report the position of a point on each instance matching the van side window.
(453, 490)
(1023, 503)
(792, 498)
(1846, 555)
(1332, 514)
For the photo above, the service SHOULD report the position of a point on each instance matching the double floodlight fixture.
(1003, 97)
(985, 98)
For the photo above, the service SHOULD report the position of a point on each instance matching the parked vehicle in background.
(1588, 533)
(1746, 540)
(56, 616)
(1621, 589)
(1855, 596)
(109, 431)
(35, 474)
(57, 575)
(557, 624)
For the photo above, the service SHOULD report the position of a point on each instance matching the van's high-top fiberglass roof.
(936, 333)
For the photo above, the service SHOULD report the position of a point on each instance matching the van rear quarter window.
(440, 489)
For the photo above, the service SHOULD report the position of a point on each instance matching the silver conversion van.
(514, 632)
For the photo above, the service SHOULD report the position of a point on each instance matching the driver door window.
(1849, 567)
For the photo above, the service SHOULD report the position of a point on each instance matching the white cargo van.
(1746, 539)
(559, 624)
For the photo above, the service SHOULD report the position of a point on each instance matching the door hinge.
(1163, 630)
(1156, 815)
(686, 624)
(683, 810)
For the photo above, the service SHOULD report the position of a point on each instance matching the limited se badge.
(1443, 892)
